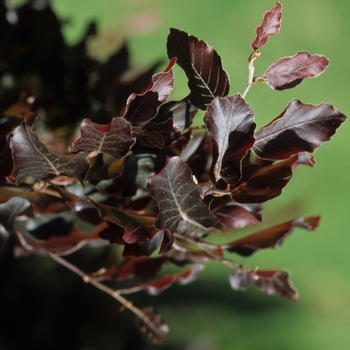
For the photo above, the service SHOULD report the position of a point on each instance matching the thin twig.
(251, 68)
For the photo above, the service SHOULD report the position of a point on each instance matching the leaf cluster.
(140, 175)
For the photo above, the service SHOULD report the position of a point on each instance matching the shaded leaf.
(32, 158)
(202, 65)
(265, 184)
(114, 139)
(270, 26)
(230, 121)
(9, 210)
(141, 109)
(271, 237)
(268, 281)
(179, 199)
(152, 325)
(300, 128)
(36, 199)
(288, 72)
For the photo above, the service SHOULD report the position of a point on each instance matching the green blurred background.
(208, 314)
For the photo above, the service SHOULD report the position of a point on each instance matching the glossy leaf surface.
(288, 72)
(300, 128)
(202, 65)
(230, 121)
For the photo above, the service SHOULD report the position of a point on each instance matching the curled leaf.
(288, 72)
(230, 121)
(270, 26)
(268, 281)
(300, 128)
(271, 237)
(202, 65)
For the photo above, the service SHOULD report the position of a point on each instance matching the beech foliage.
(90, 159)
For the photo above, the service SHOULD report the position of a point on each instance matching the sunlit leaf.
(114, 139)
(300, 128)
(202, 65)
(32, 158)
(271, 237)
(270, 26)
(288, 72)
(179, 199)
(230, 121)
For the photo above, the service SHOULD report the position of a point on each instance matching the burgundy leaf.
(271, 237)
(269, 282)
(141, 109)
(158, 285)
(270, 26)
(181, 208)
(300, 128)
(235, 217)
(265, 184)
(180, 112)
(114, 139)
(163, 82)
(202, 65)
(230, 121)
(152, 325)
(32, 158)
(290, 71)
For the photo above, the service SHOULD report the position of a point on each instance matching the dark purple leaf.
(270, 26)
(202, 65)
(290, 71)
(141, 109)
(181, 208)
(32, 158)
(230, 121)
(152, 325)
(163, 82)
(300, 128)
(265, 184)
(268, 281)
(180, 112)
(114, 139)
(272, 237)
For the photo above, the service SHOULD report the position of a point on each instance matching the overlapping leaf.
(288, 72)
(230, 121)
(300, 128)
(32, 158)
(270, 26)
(265, 184)
(271, 237)
(114, 139)
(202, 65)
(36, 199)
(181, 208)
(269, 282)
